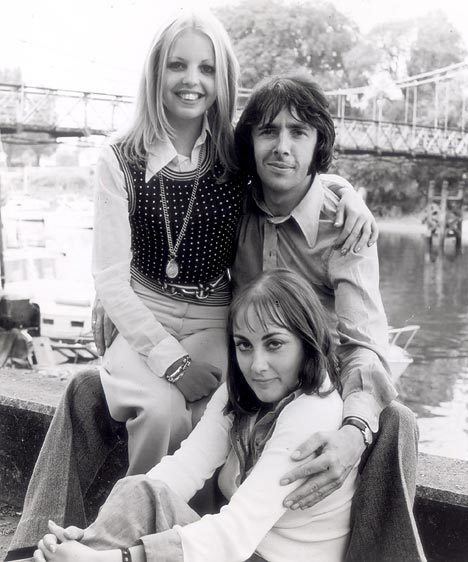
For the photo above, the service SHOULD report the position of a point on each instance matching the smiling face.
(189, 77)
(269, 356)
(284, 150)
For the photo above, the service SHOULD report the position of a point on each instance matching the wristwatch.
(363, 428)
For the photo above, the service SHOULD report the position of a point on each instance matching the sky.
(100, 45)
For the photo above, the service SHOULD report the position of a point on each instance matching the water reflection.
(431, 292)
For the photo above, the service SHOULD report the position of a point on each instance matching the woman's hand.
(69, 551)
(200, 379)
(359, 225)
(71, 533)
(104, 331)
(329, 457)
(48, 545)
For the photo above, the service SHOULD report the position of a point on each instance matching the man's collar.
(161, 152)
(306, 213)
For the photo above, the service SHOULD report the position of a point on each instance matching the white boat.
(399, 358)
(65, 304)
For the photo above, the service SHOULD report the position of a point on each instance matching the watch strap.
(363, 428)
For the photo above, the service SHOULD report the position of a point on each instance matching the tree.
(271, 37)
(24, 149)
(393, 51)
(437, 44)
(385, 48)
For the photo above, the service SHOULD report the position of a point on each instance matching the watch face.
(367, 436)
(363, 428)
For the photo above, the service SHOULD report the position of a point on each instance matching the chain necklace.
(172, 267)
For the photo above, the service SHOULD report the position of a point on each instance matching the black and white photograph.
(234, 281)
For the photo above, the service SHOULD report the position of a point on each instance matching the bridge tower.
(444, 213)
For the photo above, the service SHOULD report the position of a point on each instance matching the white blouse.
(255, 519)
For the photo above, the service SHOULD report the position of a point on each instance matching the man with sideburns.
(285, 138)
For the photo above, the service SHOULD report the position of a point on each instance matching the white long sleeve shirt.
(112, 253)
(255, 519)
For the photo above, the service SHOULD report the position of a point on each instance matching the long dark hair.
(283, 298)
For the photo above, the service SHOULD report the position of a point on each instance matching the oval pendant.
(172, 269)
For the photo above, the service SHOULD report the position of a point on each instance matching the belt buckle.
(202, 293)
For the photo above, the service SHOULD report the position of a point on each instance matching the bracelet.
(126, 556)
(179, 372)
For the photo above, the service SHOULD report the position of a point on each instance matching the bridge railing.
(399, 139)
(61, 112)
(73, 113)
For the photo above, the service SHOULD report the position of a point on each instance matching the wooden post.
(431, 213)
(442, 215)
(457, 213)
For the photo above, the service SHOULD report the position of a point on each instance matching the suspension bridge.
(420, 116)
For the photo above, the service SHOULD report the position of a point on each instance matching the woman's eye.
(207, 69)
(175, 65)
(274, 345)
(242, 346)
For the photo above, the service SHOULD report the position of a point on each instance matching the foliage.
(29, 150)
(271, 37)
(386, 48)
(437, 44)
(10, 75)
(396, 186)
(25, 150)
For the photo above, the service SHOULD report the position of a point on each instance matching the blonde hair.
(151, 123)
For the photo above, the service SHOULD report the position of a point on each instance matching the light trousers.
(156, 413)
(140, 507)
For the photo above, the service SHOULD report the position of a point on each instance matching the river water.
(434, 294)
(415, 290)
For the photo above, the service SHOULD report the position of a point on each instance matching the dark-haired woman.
(282, 381)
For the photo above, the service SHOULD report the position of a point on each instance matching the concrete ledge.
(441, 479)
(26, 408)
(441, 508)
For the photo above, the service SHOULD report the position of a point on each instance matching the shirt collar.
(162, 152)
(306, 213)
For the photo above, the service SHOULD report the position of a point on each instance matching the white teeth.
(189, 96)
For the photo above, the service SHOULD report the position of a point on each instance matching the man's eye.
(299, 132)
(266, 131)
(207, 69)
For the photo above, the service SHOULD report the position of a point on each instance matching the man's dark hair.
(304, 99)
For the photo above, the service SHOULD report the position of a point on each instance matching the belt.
(201, 291)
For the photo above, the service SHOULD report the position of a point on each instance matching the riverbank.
(412, 224)
(408, 224)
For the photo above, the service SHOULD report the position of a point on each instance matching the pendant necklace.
(172, 267)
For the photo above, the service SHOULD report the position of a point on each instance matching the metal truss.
(72, 113)
(61, 113)
(360, 136)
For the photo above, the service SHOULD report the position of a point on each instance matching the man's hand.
(359, 225)
(200, 379)
(329, 457)
(104, 331)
